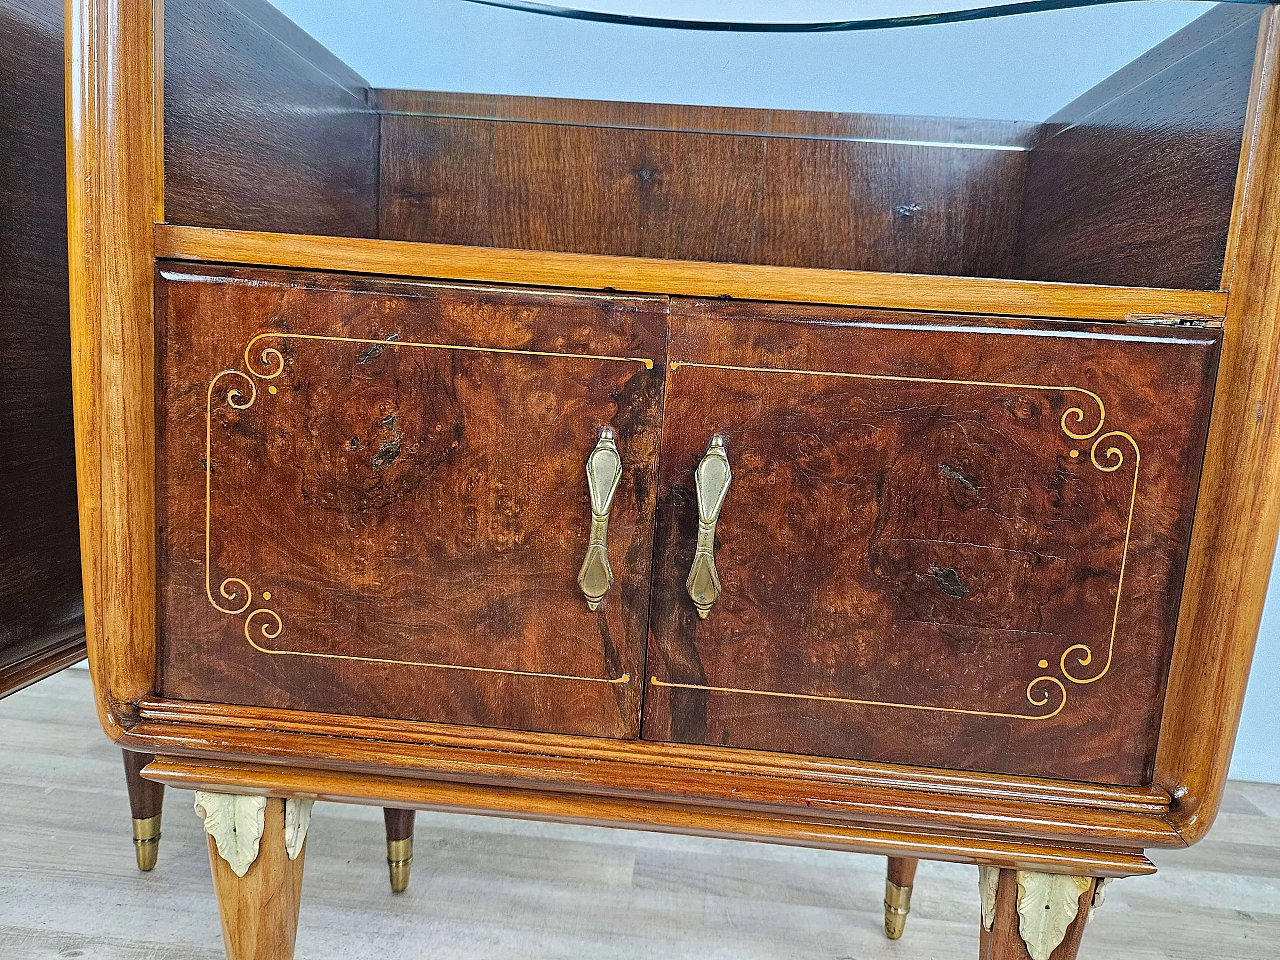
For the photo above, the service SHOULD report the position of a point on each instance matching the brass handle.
(604, 472)
(713, 477)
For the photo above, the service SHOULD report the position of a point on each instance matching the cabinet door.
(374, 499)
(944, 542)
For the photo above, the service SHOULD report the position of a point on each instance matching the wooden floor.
(486, 888)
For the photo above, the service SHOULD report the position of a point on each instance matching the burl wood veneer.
(988, 560)
(372, 476)
(975, 528)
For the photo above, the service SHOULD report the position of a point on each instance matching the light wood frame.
(115, 173)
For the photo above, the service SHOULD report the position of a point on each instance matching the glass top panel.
(1057, 139)
(1007, 68)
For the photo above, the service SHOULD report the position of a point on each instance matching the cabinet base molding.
(645, 814)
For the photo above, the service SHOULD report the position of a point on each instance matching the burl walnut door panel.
(373, 497)
(945, 542)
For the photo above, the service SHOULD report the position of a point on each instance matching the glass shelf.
(1070, 141)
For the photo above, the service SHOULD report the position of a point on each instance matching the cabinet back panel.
(395, 506)
(945, 543)
(700, 183)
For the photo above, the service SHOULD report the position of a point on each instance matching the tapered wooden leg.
(260, 909)
(1033, 916)
(897, 894)
(146, 799)
(399, 846)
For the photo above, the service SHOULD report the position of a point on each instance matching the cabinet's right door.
(948, 542)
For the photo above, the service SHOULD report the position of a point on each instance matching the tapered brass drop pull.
(713, 477)
(604, 471)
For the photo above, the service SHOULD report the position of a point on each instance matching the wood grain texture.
(259, 911)
(755, 783)
(743, 281)
(391, 498)
(1134, 182)
(398, 823)
(790, 188)
(902, 870)
(146, 797)
(1238, 510)
(496, 888)
(916, 569)
(110, 200)
(645, 814)
(263, 128)
(41, 606)
(1004, 941)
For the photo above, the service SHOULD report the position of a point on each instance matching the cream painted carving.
(1047, 903)
(297, 817)
(988, 881)
(1099, 895)
(236, 824)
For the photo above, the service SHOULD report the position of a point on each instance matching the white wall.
(1018, 68)
(1257, 755)
(1012, 68)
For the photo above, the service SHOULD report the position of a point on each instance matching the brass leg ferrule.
(897, 904)
(399, 860)
(146, 841)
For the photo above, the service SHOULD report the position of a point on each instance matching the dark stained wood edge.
(1135, 179)
(300, 43)
(1216, 23)
(637, 275)
(44, 663)
(639, 775)
(798, 830)
(1238, 511)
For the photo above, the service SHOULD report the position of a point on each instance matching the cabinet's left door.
(374, 497)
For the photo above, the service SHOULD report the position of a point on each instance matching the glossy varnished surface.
(927, 539)
(1133, 183)
(702, 183)
(399, 498)
(263, 127)
(488, 888)
(41, 610)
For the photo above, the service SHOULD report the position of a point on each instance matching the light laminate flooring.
(490, 888)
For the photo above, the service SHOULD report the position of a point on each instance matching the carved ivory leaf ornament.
(297, 817)
(988, 880)
(236, 824)
(1047, 904)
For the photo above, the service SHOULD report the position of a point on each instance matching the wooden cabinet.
(375, 497)
(947, 542)
(924, 537)
(937, 524)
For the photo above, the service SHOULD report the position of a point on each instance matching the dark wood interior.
(41, 606)
(1131, 184)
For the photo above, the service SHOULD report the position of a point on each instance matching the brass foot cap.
(897, 904)
(399, 860)
(146, 842)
